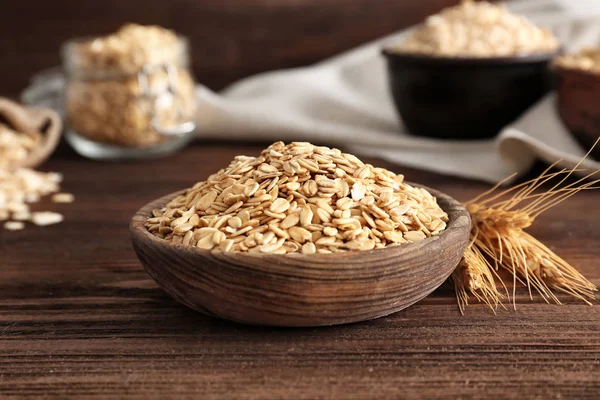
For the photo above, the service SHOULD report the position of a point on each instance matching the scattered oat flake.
(44, 218)
(14, 225)
(63, 198)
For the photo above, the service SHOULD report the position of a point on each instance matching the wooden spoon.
(300, 289)
(28, 120)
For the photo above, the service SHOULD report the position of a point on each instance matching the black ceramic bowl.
(465, 98)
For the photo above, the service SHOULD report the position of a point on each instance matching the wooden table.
(79, 317)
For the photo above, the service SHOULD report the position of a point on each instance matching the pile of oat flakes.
(299, 198)
(16, 146)
(478, 29)
(587, 59)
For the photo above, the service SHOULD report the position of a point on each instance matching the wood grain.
(302, 290)
(79, 316)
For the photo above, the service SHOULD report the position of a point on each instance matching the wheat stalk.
(499, 241)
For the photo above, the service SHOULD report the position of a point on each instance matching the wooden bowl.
(464, 98)
(299, 289)
(578, 106)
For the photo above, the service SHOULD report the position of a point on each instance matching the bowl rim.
(392, 54)
(460, 220)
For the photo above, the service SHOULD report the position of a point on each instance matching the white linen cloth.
(345, 101)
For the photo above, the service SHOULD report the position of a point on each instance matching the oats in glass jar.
(125, 87)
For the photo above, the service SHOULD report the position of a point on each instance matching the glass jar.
(128, 95)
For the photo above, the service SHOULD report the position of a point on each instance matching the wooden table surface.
(79, 317)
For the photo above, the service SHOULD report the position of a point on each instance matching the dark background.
(230, 39)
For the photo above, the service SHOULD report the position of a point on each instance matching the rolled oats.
(22, 186)
(587, 59)
(63, 198)
(104, 99)
(15, 146)
(44, 218)
(478, 29)
(14, 225)
(294, 199)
